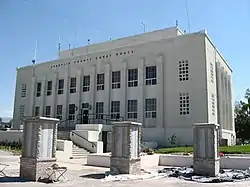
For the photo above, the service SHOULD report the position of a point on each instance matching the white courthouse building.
(165, 79)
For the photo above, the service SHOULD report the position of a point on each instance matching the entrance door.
(105, 140)
(85, 116)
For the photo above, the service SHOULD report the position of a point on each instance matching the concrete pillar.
(39, 147)
(206, 159)
(125, 152)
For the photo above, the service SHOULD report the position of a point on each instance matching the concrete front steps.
(79, 152)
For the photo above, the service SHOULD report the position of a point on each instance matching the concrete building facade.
(166, 80)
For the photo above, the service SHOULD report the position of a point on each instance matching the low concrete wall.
(235, 162)
(64, 149)
(175, 160)
(10, 136)
(103, 160)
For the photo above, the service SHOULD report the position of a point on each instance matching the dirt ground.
(79, 175)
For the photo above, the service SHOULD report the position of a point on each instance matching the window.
(38, 89)
(184, 104)
(23, 90)
(132, 109)
(49, 88)
(72, 85)
(212, 72)
(60, 86)
(151, 75)
(99, 110)
(213, 104)
(86, 83)
(116, 79)
(85, 106)
(132, 77)
(22, 109)
(115, 109)
(100, 82)
(72, 109)
(59, 109)
(37, 111)
(183, 70)
(150, 110)
(47, 111)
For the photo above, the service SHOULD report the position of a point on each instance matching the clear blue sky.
(23, 22)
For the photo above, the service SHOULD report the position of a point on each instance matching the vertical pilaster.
(124, 81)
(43, 95)
(54, 95)
(78, 89)
(32, 96)
(230, 98)
(93, 88)
(65, 94)
(160, 95)
(107, 89)
(141, 85)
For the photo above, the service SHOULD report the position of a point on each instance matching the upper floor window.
(100, 81)
(183, 70)
(60, 86)
(59, 109)
(184, 104)
(47, 111)
(85, 106)
(116, 79)
(37, 111)
(72, 109)
(150, 109)
(99, 110)
(132, 109)
(133, 77)
(21, 112)
(23, 90)
(213, 104)
(115, 109)
(151, 75)
(86, 83)
(212, 72)
(72, 85)
(49, 88)
(38, 89)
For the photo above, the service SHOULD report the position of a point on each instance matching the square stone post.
(125, 152)
(39, 147)
(206, 156)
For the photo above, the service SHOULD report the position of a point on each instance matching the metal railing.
(74, 133)
(97, 119)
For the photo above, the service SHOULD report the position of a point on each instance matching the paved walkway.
(78, 175)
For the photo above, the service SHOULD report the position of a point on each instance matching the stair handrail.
(93, 145)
